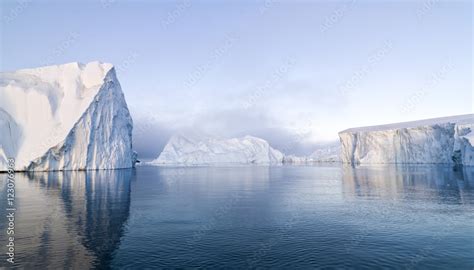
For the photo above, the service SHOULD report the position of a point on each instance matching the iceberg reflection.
(409, 181)
(75, 215)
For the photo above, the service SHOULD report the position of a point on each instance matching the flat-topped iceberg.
(199, 150)
(64, 117)
(440, 140)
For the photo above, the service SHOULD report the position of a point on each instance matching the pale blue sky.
(294, 73)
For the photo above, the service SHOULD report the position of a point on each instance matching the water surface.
(244, 217)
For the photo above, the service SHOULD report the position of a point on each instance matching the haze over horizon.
(291, 73)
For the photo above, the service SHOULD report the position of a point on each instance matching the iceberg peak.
(205, 150)
(65, 117)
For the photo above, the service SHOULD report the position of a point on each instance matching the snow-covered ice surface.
(325, 153)
(64, 117)
(207, 150)
(203, 150)
(464, 143)
(438, 140)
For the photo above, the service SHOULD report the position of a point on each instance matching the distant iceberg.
(440, 140)
(324, 153)
(202, 150)
(207, 150)
(64, 117)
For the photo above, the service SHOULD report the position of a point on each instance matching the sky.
(292, 72)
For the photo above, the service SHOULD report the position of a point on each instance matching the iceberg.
(440, 140)
(64, 117)
(325, 153)
(201, 150)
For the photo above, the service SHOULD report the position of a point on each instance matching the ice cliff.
(64, 117)
(439, 140)
(199, 150)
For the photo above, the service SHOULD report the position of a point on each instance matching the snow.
(457, 119)
(204, 150)
(65, 117)
(9, 134)
(469, 137)
(208, 150)
(440, 140)
(327, 153)
(324, 153)
(464, 144)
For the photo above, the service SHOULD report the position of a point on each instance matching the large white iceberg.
(199, 150)
(64, 117)
(440, 140)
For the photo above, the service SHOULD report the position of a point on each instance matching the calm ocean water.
(288, 217)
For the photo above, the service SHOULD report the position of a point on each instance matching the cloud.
(150, 136)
